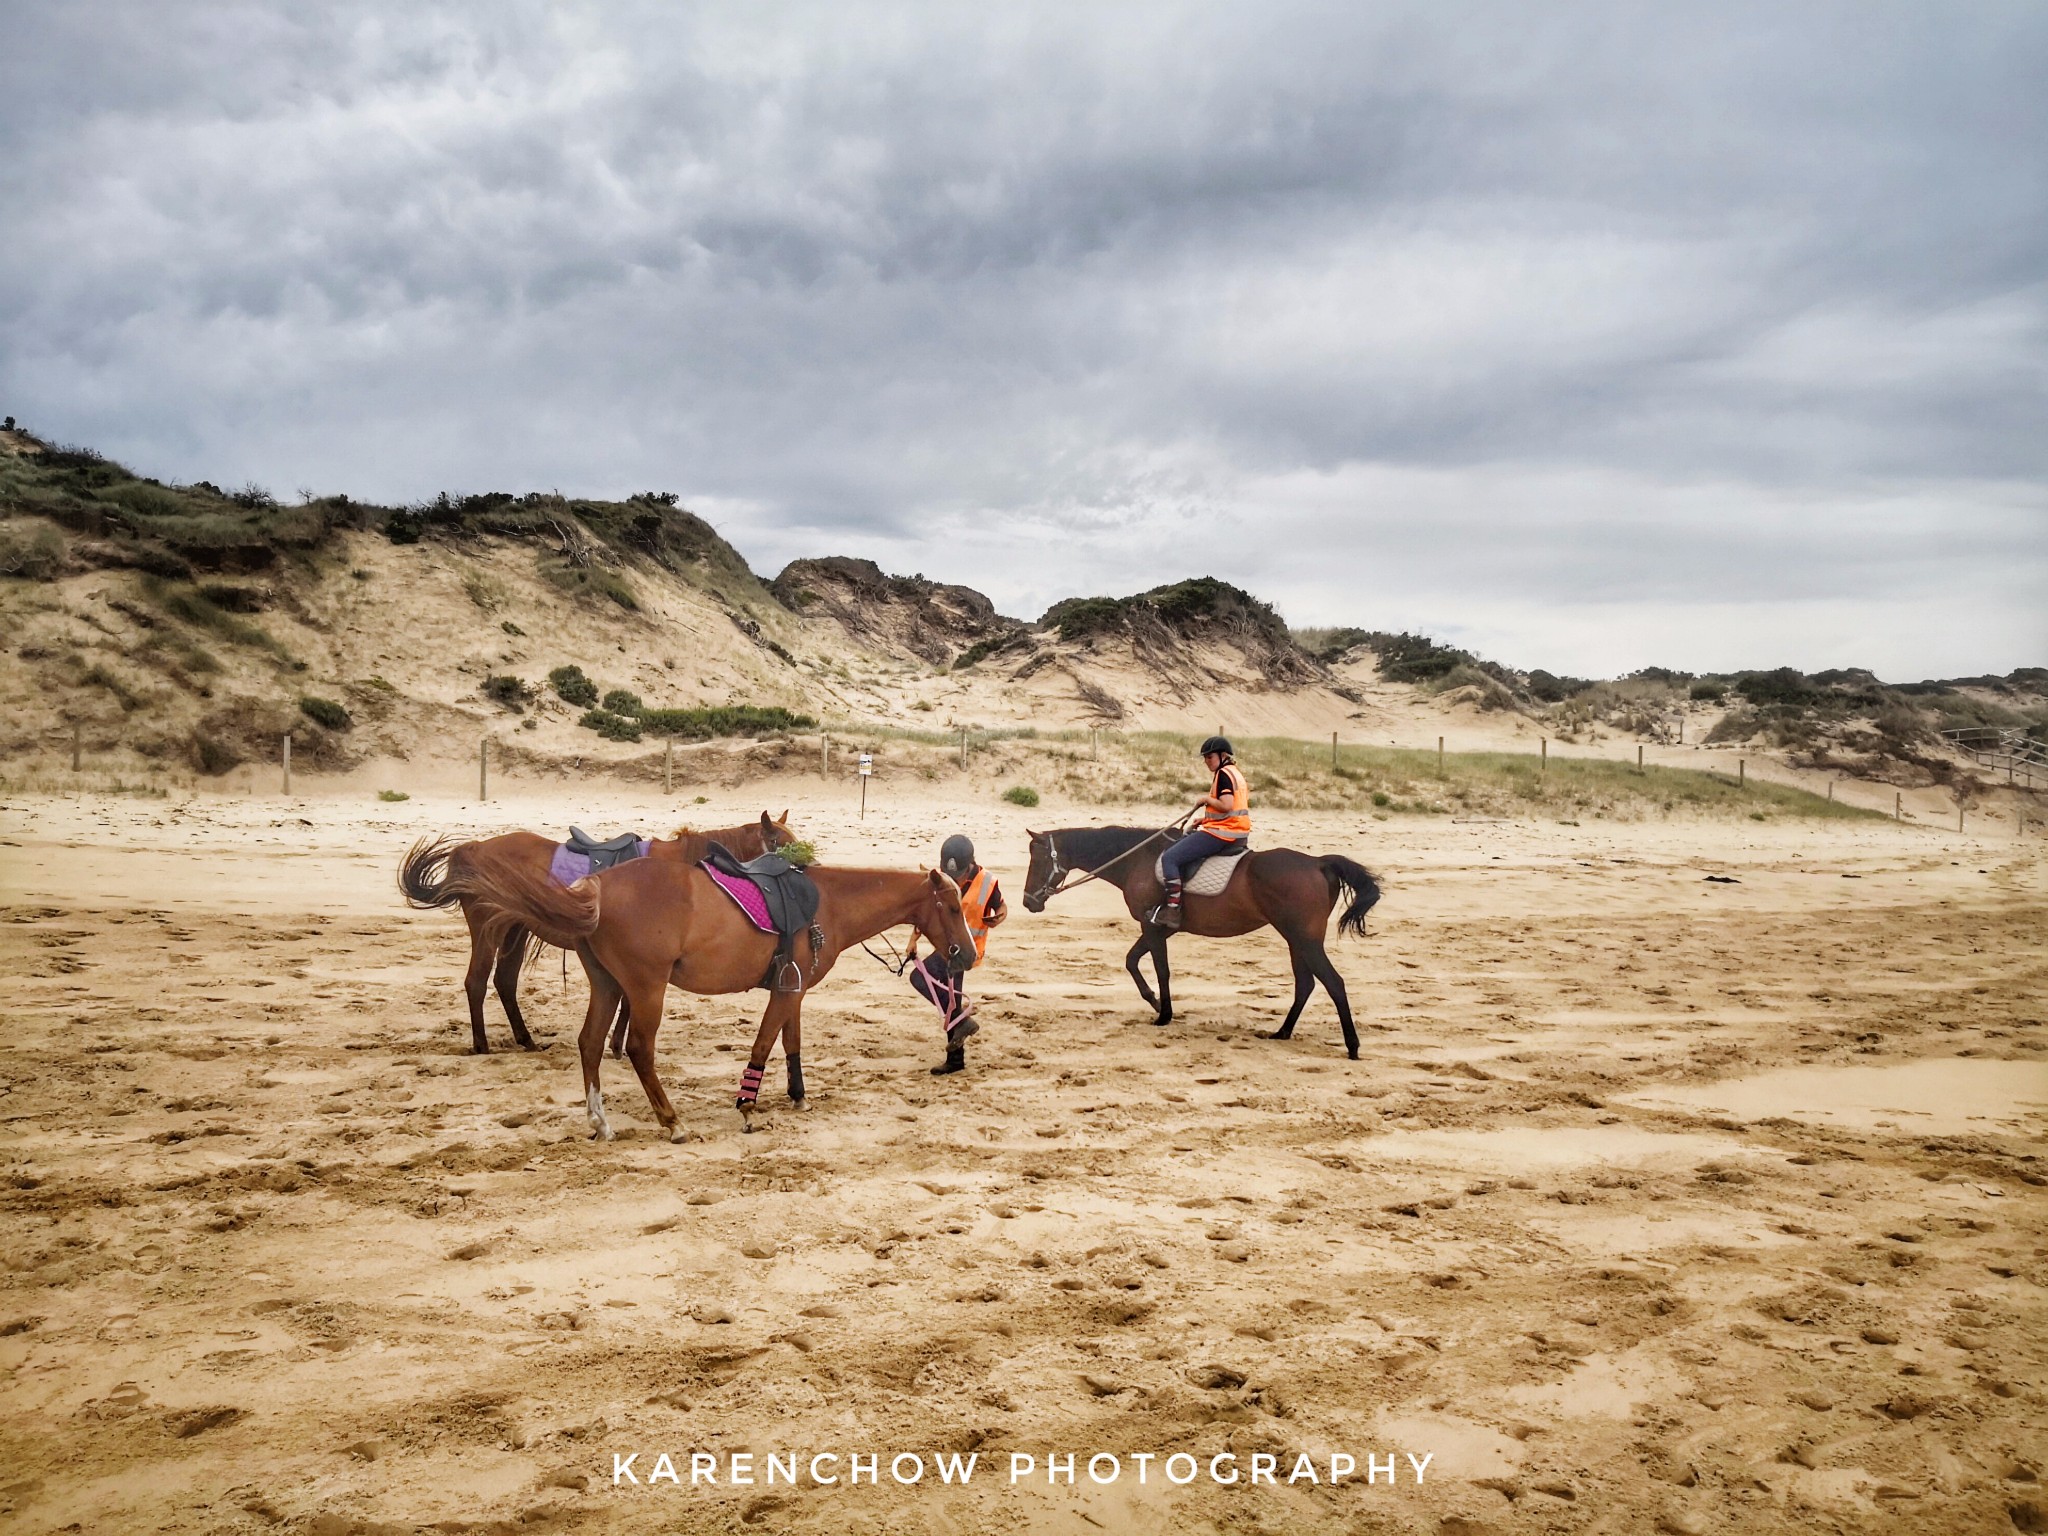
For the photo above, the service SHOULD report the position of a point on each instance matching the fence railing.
(2003, 749)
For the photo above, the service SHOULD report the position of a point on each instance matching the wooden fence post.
(287, 762)
(1831, 791)
(824, 754)
(75, 745)
(963, 746)
(1742, 773)
(668, 765)
(483, 771)
(1333, 751)
(1639, 757)
(1897, 815)
(1439, 757)
(1543, 742)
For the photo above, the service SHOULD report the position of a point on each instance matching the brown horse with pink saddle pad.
(656, 923)
(431, 876)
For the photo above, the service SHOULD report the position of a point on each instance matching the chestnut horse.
(1295, 892)
(643, 927)
(501, 936)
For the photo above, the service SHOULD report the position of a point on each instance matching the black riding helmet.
(1217, 744)
(956, 856)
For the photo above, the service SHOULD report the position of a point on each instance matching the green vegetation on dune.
(1291, 774)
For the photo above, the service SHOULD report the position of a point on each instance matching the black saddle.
(792, 898)
(603, 855)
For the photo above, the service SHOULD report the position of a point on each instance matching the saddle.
(789, 903)
(1209, 877)
(603, 855)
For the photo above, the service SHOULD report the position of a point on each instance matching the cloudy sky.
(1591, 336)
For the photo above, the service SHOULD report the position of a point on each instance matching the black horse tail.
(422, 876)
(1344, 875)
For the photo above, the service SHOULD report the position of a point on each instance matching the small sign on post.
(867, 771)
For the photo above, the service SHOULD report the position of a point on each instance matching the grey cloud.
(861, 275)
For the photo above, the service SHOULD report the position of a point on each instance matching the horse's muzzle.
(1034, 903)
(960, 961)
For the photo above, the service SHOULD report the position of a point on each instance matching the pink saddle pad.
(746, 893)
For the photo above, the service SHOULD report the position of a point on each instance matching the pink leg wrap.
(750, 1085)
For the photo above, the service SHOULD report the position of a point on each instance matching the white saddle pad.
(1208, 878)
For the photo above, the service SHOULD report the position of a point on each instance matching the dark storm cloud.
(1517, 315)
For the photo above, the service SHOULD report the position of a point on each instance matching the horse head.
(943, 922)
(1043, 877)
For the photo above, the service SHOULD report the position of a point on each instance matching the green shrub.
(572, 687)
(610, 726)
(37, 556)
(620, 701)
(1706, 691)
(393, 795)
(210, 755)
(798, 853)
(512, 693)
(1381, 797)
(326, 712)
(1021, 794)
(723, 720)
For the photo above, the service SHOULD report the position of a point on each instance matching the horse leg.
(792, 1054)
(604, 997)
(1131, 964)
(1304, 984)
(1333, 984)
(779, 1007)
(643, 1003)
(1159, 938)
(511, 956)
(619, 1027)
(475, 983)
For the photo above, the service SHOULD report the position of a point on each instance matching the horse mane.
(1088, 847)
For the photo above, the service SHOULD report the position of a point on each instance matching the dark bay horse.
(1295, 892)
(498, 939)
(643, 927)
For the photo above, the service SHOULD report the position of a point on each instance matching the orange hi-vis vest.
(974, 907)
(1230, 780)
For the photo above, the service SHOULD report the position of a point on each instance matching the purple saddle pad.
(568, 867)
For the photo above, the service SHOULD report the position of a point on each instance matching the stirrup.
(1165, 915)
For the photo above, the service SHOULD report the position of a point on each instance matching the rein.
(903, 961)
(1056, 882)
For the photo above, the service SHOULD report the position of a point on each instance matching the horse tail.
(1345, 875)
(421, 876)
(556, 914)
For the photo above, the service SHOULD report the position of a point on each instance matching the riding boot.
(956, 1047)
(1167, 913)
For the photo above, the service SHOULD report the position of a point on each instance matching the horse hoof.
(677, 1134)
(802, 1104)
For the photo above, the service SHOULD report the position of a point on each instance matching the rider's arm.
(993, 914)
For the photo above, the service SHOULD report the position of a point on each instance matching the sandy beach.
(1655, 1201)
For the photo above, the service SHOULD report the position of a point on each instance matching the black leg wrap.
(796, 1078)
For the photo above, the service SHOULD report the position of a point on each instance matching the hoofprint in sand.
(1649, 1200)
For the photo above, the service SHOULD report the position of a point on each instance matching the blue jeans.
(1191, 850)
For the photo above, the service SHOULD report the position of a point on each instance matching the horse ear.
(765, 822)
(783, 819)
(1034, 836)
